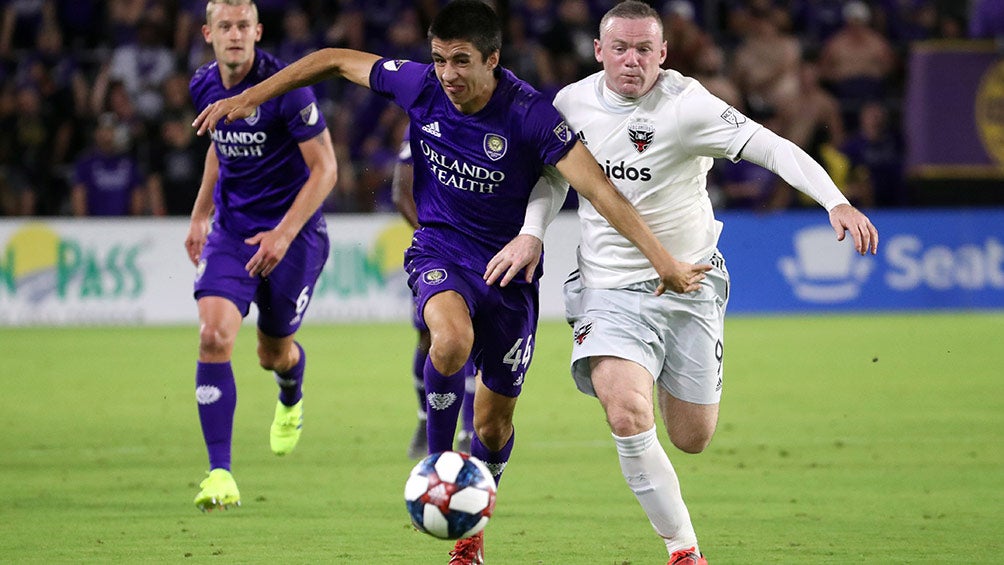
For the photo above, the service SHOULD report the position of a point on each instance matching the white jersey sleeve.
(657, 151)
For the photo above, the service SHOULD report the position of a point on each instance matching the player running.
(659, 131)
(265, 178)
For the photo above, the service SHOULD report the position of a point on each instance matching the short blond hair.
(211, 3)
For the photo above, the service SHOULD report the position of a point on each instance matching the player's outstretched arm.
(801, 171)
(310, 69)
(584, 174)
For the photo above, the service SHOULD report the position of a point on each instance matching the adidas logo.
(432, 129)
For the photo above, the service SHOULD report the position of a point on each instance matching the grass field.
(873, 439)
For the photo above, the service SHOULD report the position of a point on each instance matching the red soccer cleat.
(687, 557)
(469, 551)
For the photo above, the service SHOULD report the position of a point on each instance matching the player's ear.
(258, 31)
(493, 60)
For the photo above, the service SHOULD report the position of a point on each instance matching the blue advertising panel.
(928, 259)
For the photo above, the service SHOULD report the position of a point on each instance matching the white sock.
(653, 481)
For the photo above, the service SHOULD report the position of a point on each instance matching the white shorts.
(678, 338)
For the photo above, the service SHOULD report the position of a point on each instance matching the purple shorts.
(282, 297)
(504, 319)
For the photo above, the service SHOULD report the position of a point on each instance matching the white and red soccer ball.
(450, 495)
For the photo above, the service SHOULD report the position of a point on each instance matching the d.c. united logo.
(641, 136)
(582, 332)
(495, 146)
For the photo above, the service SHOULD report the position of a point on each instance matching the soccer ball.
(450, 495)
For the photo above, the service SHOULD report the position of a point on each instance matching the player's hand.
(198, 231)
(272, 247)
(846, 218)
(520, 254)
(228, 109)
(682, 278)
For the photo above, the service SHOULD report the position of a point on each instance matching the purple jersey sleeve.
(473, 172)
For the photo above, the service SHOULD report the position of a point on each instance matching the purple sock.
(495, 460)
(291, 382)
(470, 385)
(444, 398)
(216, 393)
(417, 370)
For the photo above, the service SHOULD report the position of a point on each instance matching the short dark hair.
(469, 20)
(630, 10)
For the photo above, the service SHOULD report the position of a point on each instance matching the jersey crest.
(254, 117)
(641, 135)
(495, 146)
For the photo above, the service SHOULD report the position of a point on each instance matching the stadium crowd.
(94, 94)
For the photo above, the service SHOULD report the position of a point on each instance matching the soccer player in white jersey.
(655, 132)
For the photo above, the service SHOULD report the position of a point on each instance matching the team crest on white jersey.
(733, 116)
(310, 115)
(495, 146)
(434, 276)
(641, 135)
(254, 117)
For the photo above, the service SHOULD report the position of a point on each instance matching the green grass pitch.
(873, 439)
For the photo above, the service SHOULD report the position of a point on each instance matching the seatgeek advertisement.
(927, 260)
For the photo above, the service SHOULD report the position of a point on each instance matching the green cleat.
(286, 427)
(219, 490)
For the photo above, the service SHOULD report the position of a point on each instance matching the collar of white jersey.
(617, 102)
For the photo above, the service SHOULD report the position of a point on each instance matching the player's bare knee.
(493, 434)
(628, 423)
(449, 354)
(214, 341)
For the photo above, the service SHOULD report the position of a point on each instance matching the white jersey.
(657, 150)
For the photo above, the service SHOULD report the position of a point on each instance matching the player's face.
(467, 78)
(233, 31)
(631, 51)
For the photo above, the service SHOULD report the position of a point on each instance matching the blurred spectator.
(710, 71)
(745, 15)
(569, 42)
(765, 67)
(81, 22)
(32, 152)
(746, 186)
(142, 67)
(107, 180)
(875, 153)
(814, 120)
(21, 20)
(298, 38)
(176, 164)
(685, 41)
(986, 19)
(857, 63)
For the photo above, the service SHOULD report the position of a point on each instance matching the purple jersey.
(110, 181)
(261, 167)
(473, 173)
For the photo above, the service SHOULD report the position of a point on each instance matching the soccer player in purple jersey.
(264, 180)
(404, 201)
(481, 138)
